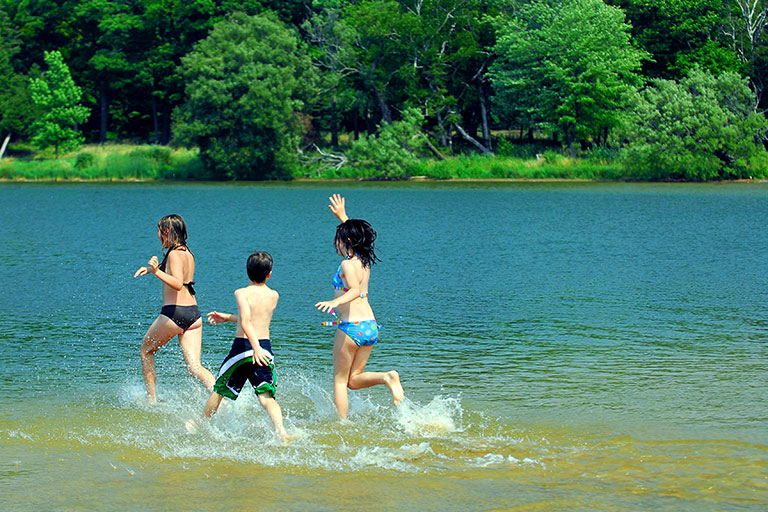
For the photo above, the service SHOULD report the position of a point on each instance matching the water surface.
(562, 347)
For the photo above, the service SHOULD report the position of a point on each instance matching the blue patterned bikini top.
(338, 283)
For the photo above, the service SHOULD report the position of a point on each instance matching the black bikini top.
(189, 285)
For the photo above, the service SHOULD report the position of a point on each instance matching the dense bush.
(703, 127)
(392, 152)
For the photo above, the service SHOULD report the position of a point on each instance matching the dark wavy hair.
(359, 236)
(174, 231)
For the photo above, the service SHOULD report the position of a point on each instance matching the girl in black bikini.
(179, 315)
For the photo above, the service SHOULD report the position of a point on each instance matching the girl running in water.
(179, 315)
(357, 331)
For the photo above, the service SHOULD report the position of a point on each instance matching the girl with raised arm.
(357, 331)
(179, 315)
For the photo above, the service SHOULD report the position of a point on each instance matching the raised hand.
(338, 207)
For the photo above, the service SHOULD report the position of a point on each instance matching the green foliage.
(16, 107)
(84, 160)
(489, 167)
(681, 34)
(58, 97)
(569, 68)
(393, 151)
(703, 127)
(246, 83)
(110, 162)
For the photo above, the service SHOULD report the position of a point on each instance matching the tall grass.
(125, 162)
(544, 166)
(111, 162)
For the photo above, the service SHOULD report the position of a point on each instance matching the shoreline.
(413, 179)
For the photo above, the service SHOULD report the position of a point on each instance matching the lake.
(563, 346)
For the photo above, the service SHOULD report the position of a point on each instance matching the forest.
(389, 89)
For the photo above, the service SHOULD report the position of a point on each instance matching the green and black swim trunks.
(238, 367)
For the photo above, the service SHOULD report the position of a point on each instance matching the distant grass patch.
(544, 166)
(109, 162)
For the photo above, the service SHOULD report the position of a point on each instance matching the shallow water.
(562, 347)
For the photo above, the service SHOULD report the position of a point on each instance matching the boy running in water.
(250, 357)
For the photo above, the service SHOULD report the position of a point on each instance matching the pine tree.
(59, 99)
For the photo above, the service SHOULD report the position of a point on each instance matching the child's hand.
(153, 264)
(261, 357)
(338, 207)
(325, 306)
(141, 272)
(214, 317)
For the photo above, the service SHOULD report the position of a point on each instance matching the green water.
(562, 347)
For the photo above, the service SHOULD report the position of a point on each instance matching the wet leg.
(359, 379)
(191, 346)
(158, 334)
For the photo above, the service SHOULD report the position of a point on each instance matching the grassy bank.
(107, 162)
(125, 162)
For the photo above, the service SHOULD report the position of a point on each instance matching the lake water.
(562, 347)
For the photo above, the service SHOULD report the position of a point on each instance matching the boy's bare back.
(255, 303)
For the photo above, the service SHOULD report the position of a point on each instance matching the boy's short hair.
(259, 266)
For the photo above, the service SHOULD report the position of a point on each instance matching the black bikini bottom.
(183, 316)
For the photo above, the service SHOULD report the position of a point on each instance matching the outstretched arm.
(338, 207)
(149, 269)
(216, 317)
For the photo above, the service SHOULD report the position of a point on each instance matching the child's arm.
(338, 207)
(169, 278)
(352, 280)
(215, 317)
(260, 356)
(142, 271)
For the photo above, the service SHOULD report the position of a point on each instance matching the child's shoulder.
(255, 291)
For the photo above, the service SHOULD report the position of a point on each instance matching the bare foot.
(192, 427)
(393, 383)
(283, 436)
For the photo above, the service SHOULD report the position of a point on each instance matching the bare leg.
(359, 379)
(273, 409)
(191, 345)
(158, 334)
(343, 355)
(212, 405)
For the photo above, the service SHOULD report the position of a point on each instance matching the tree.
(246, 83)
(703, 127)
(569, 68)
(393, 150)
(15, 104)
(400, 53)
(59, 99)
(680, 35)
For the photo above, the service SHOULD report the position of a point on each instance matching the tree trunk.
(471, 139)
(334, 124)
(155, 126)
(442, 131)
(103, 111)
(5, 145)
(166, 124)
(386, 113)
(484, 117)
(434, 150)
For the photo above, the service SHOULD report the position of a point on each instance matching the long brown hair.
(173, 231)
